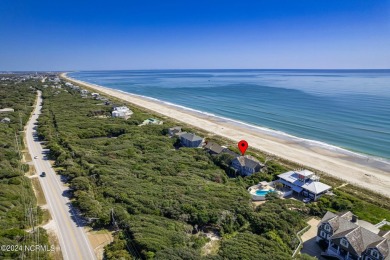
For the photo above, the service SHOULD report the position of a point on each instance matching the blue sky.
(143, 34)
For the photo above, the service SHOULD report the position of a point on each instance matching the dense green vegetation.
(18, 210)
(132, 177)
(159, 197)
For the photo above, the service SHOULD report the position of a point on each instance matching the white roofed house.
(122, 112)
(95, 95)
(7, 109)
(152, 121)
(246, 165)
(304, 183)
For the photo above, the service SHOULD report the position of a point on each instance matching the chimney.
(354, 219)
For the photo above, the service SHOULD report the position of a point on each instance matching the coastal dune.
(363, 172)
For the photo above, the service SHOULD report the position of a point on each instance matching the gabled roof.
(248, 161)
(230, 152)
(385, 234)
(358, 236)
(383, 246)
(328, 216)
(191, 137)
(216, 148)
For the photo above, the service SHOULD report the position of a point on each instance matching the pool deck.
(261, 186)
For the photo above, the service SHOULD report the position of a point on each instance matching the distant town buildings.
(246, 165)
(346, 237)
(122, 112)
(304, 183)
(191, 140)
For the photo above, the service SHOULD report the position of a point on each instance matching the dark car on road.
(43, 174)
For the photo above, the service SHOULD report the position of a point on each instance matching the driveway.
(310, 245)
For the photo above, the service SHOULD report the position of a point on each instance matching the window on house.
(344, 242)
(375, 254)
(323, 234)
(327, 227)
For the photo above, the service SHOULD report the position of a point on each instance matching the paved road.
(73, 240)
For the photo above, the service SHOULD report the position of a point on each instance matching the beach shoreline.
(364, 171)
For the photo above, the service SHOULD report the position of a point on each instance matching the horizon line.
(70, 71)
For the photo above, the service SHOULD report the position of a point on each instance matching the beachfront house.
(121, 112)
(5, 120)
(84, 92)
(303, 182)
(246, 165)
(152, 121)
(174, 130)
(344, 236)
(214, 148)
(191, 140)
(95, 95)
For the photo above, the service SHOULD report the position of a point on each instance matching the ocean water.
(345, 108)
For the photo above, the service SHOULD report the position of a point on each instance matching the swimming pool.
(263, 192)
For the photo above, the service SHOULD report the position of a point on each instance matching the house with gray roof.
(174, 130)
(246, 165)
(191, 140)
(6, 120)
(214, 148)
(347, 237)
(303, 182)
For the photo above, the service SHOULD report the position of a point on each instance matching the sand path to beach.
(335, 164)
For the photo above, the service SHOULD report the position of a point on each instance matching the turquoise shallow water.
(345, 108)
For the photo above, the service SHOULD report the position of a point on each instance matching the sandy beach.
(364, 172)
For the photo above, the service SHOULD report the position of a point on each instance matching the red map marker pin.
(243, 145)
